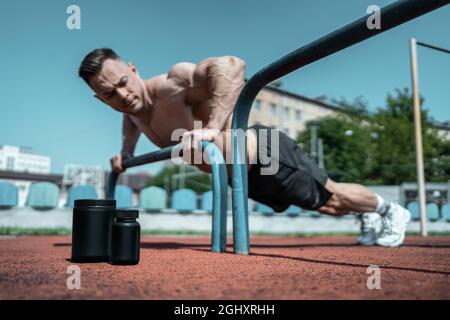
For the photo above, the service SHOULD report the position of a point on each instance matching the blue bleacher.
(446, 212)
(207, 201)
(153, 199)
(293, 211)
(124, 197)
(264, 209)
(43, 196)
(184, 200)
(432, 211)
(413, 207)
(311, 214)
(9, 195)
(80, 192)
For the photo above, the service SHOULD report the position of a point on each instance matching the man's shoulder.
(156, 80)
(182, 73)
(163, 85)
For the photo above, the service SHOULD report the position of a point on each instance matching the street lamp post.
(314, 146)
(418, 129)
(418, 136)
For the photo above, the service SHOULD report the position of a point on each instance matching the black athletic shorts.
(298, 180)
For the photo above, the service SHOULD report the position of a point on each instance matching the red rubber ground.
(183, 268)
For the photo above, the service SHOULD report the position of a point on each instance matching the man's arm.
(130, 136)
(225, 77)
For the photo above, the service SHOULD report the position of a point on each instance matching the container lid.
(127, 214)
(95, 203)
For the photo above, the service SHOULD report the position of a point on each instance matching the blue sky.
(46, 106)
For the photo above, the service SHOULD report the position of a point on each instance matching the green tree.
(199, 183)
(379, 148)
(347, 141)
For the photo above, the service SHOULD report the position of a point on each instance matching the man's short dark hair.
(93, 62)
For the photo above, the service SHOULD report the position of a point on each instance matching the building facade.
(22, 159)
(286, 111)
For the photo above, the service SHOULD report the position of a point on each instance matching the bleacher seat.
(293, 211)
(80, 192)
(43, 196)
(124, 197)
(413, 207)
(433, 211)
(207, 201)
(153, 199)
(264, 209)
(446, 212)
(184, 200)
(9, 195)
(312, 214)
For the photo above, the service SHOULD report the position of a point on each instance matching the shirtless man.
(207, 92)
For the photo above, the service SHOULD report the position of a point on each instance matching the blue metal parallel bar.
(158, 155)
(219, 177)
(391, 16)
(220, 196)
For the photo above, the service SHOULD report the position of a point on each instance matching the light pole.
(418, 129)
(314, 145)
(321, 161)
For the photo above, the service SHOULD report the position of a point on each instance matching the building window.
(298, 115)
(257, 105)
(273, 109)
(9, 163)
(286, 113)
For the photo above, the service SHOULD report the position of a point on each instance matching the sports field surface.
(182, 267)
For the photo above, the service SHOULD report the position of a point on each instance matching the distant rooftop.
(135, 181)
(22, 149)
(319, 100)
(442, 125)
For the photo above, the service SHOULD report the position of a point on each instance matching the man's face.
(119, 85)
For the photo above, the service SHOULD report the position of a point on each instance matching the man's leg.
(354, 198)
(349, 198)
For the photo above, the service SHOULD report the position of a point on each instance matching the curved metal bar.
(111, 184)
(158, 155)
(391, 16)
(219, 180)
(220, 196)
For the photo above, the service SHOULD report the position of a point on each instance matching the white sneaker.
(394, 226)
(371, 227)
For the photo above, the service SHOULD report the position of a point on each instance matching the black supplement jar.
(125, 238)
(91, 230)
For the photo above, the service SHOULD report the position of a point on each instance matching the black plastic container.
(91, 230)
(125, 238)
